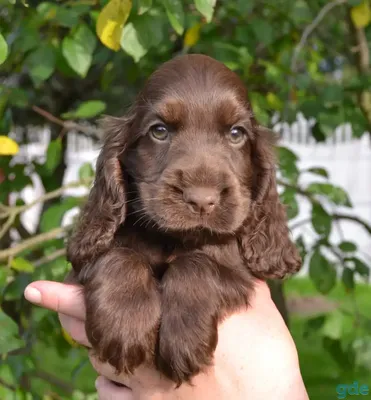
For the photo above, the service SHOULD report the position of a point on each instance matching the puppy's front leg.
(195, 292)
(122, 309)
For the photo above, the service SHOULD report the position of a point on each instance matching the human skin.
(255, 359)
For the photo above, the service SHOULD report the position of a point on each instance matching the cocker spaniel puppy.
(184, 212)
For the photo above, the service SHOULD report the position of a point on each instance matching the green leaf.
(361, 268)
(9, 337)
(313, 325)
(88, 109)
(287, 163)
(348, 278)
(333, 94)
(206, 8)
(22, 265)
(3, 49)
(175, 13)
(318, 133)
(322, 272)
(318, 171)
(4, 273)
(86, 171)
(68, 17)
(141, 34)
(301, 246)
(78, 49)
(53, 156)
(334, 348)
(334, 193)
(333, 327)
(347, 247)
(144, 6)
(263, 30)
(52, 217)
(288, 197)
(321, 220)
(41, 63)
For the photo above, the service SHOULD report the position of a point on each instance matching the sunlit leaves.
(8, 146)
(206, 8)
(192, 35)
(78, 49)
(361, 14)
(144, 6)
(52, 217)
(3, 49)
(175, 12)
(22, 265)
(111, 21)
(88, 109)
(141, 34)
(86, 171)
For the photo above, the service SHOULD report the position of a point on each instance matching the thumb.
(60, 297)
(107, 390)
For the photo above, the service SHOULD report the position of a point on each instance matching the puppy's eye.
(236, 136)
(159, 132)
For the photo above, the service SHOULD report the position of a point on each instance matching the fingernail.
(97, 383)
(33, 295)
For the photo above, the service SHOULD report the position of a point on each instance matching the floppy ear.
(266, 243)
(105, 208)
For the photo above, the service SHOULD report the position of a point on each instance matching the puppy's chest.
(161, 252)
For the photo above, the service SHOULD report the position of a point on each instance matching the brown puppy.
(183, 213)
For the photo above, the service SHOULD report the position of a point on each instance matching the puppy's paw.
(123, 310)
(187, 341)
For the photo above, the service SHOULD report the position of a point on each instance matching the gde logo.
(354, 389)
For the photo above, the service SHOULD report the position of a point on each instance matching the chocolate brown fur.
(159, 277)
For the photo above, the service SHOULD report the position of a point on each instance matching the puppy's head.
(194, 159)
(193, 154)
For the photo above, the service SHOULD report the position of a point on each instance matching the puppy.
(183, 214)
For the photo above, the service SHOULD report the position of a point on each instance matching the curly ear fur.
(106, 205)
(266, 244)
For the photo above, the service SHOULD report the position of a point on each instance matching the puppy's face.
(192, 162)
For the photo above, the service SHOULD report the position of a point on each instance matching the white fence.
(347, 160)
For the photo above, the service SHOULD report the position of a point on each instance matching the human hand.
(255, 358)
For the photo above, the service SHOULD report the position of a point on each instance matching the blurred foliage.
(67, 62)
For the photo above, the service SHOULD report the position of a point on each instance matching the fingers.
(75, 328)
(60, 297)
(109, 391)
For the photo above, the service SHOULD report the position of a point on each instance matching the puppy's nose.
(201, 200)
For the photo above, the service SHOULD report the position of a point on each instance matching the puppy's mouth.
(176, 208)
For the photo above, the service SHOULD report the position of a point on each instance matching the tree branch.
(363, 66)
(33, 242)
(11, 212)
(310, 197)
(50, 257)
(310, 28)
(69, 125)
(53, 380)
(299, 47)
(7, 385)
